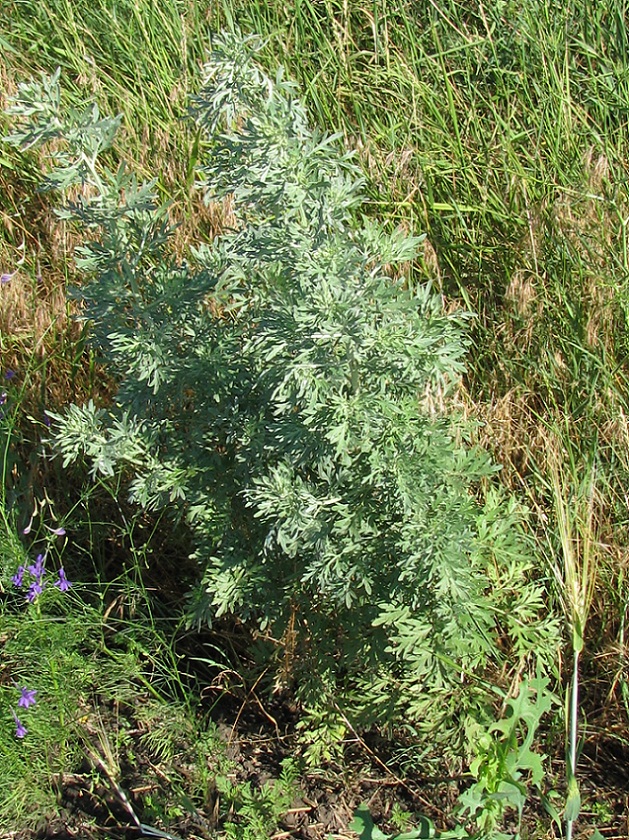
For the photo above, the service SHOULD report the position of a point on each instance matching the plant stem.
(574, 725)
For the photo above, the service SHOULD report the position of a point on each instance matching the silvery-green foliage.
(288, 392)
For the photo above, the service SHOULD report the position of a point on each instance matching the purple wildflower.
(4, 278)
(63, 584)
(9, 374)
(27, 698)
(36, 588)
(18, 577)
(3, 397)
(47, 419)
(37, 569)
(20, 729)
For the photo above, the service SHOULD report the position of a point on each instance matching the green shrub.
(289, 392)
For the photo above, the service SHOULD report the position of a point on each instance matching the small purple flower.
(18, 576)
(27, 698)
(36, 588)
(5, 278)
(9, 374)
(20, 729)
(37, 569)
(63, 584)
(47, 419)
(3, 397)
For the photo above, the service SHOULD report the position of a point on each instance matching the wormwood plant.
(288, 392)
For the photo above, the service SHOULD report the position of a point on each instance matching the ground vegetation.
(314, 436)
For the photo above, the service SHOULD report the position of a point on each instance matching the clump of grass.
(106, 684)
(41, 648)
(574, 486)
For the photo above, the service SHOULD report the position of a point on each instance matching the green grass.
(499, 129)
(112, 705)
(138, 57)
